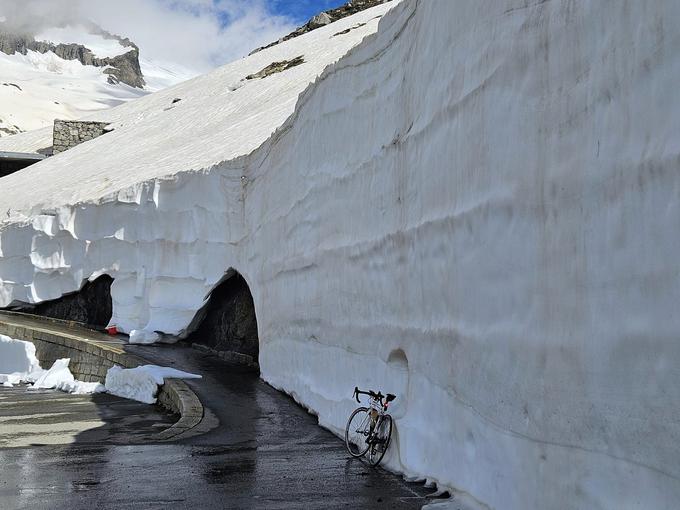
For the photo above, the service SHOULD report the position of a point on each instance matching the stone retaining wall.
(89, 361)
(69, 133)
(92, 354)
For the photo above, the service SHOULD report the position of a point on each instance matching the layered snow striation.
(474, 209)
(172, 218)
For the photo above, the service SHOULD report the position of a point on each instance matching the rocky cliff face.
(90, 305)
(123, 68)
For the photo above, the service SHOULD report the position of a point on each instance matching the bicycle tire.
(362, 422)
(377, 450)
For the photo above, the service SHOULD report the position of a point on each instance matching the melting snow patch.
(141, 383)
(138, 336)
(55, 376)
(17, 361)
(81, 388)
(61, 378)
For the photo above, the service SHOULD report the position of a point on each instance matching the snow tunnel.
(91, 305)
(227, 322)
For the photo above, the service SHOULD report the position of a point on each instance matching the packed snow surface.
(474, 205)
(160, 75)
(141, 383)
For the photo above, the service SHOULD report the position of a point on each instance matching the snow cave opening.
(227, 322)
(91, 305)
(396, 376)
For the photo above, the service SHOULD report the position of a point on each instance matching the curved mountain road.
(265, 452)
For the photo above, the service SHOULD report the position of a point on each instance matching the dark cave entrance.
(227, 323)
(90, 305)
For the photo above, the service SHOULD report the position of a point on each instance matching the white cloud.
(197, 34)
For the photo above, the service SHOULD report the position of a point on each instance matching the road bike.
(369, 429)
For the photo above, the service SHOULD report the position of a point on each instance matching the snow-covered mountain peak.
(98, 43)
(68, 71)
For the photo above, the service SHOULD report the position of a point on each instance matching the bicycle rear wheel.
(380, 440)
(357, 431)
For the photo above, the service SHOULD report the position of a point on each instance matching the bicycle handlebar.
(378, 396)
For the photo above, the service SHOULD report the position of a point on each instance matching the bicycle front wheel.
(380, 440)
(357, 431)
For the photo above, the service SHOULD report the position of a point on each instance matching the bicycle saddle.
(390, 397)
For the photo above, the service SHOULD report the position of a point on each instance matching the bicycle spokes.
(369, 428)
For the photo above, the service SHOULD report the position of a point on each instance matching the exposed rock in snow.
(118, 57)
(277, 67)
(320, 20)
(91, 305)
(475, 208)
(324, 18)
(141, 383)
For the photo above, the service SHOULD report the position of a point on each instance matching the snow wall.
(477, 208)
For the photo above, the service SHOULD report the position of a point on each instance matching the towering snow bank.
(475, 208)
(166, 220)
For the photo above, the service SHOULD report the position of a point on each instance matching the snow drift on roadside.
(19, 364)
(18, 361)
(61, 378)
(141, 383)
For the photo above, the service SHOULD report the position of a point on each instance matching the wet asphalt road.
(266, 453)
(44, 417)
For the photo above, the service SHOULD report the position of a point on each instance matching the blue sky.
(195, 34)
(302, 10)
